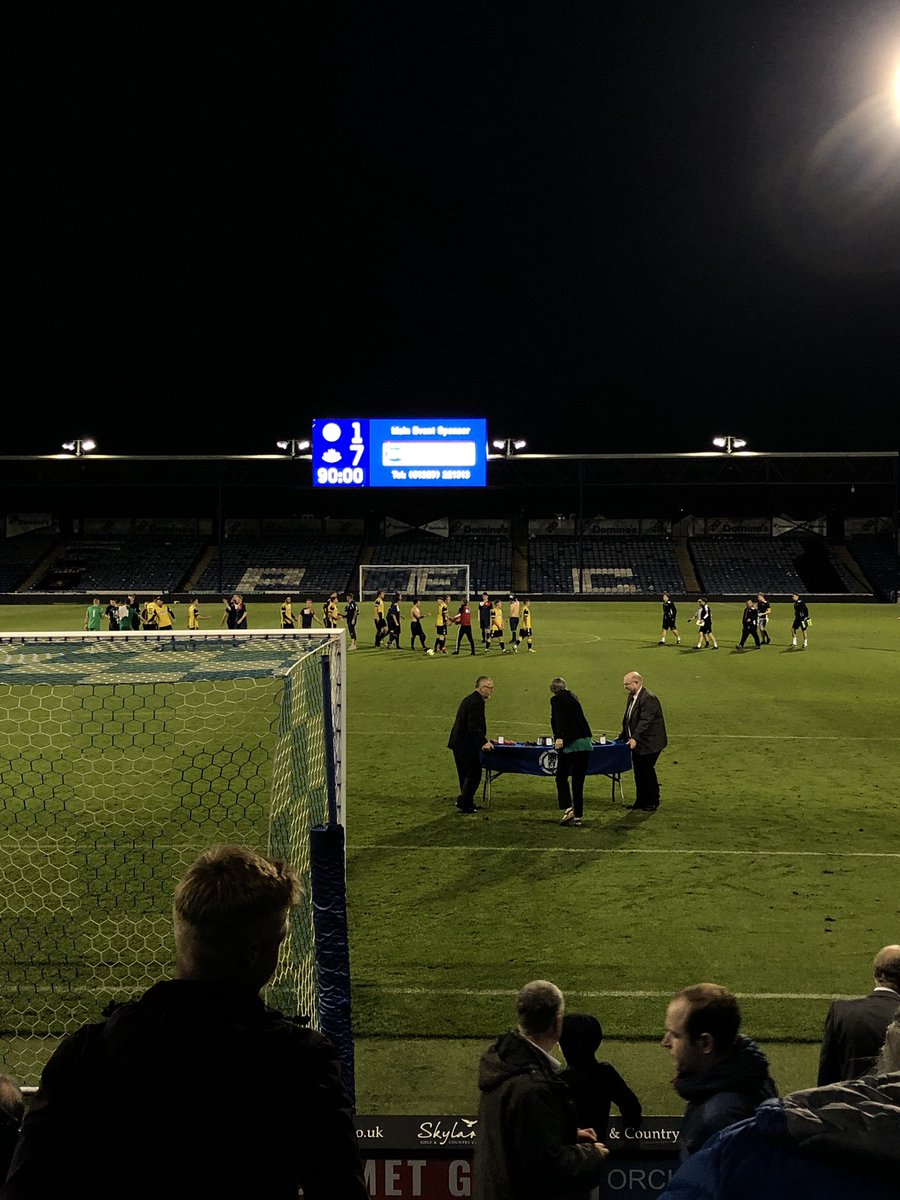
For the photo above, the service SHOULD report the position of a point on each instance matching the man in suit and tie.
(468, 738)
(644, 729)
(854, 1029)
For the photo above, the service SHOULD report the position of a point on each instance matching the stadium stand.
(110, 566)
(741, 566)
(615, 566)
(19, 556)
(489, 557)
(879, 563)
(301, 563)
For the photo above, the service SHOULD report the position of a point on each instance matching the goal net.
(122, 757)
(414, 579)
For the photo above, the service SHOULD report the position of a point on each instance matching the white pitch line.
(607, 850)
(603, 995)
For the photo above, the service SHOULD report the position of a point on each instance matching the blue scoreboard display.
(350, 453)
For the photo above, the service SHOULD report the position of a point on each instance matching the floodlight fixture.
(80, 446)
(293, 446)
(509, 445)
(729, 444)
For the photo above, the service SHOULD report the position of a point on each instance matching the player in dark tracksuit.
(762, 608)
(749, 622)
(485, 608)
(801, 621)
(669, 616)
(393, 623)
(703, 621)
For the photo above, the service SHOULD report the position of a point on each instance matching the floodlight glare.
(729, 444)
(79, 446)
(293, 446)
(508, 445)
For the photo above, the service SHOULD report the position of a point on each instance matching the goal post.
(122, 757)
(414, 579)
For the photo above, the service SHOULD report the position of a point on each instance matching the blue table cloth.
(525, 758)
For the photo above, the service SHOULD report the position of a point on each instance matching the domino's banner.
(431, 1157)
(742, 526)
(613, 527)
(480, 526)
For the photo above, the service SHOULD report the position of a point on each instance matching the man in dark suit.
(644, 729)
(854, 1029)
(468, 738)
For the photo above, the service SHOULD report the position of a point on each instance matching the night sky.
(604, 227)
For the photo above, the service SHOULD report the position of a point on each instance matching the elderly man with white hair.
(529, 1144)
(644, 729)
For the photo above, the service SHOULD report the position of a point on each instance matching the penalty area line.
(608, 850)
(601, 994)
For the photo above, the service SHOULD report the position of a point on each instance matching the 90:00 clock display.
(339, 475)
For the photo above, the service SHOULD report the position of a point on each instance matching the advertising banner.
(742, 526)
(17, 523)
(785, 525)
(109, 527)
(394, 526)
(430, 1158)
(613, 526)
(165, 525)
(558, 526)
(860, 526)
(496, 527)
(344, 526)
(242, 527)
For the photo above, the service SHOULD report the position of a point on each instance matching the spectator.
(197, 1088)
(595, 1085)
(854, 1029)
(12, 1109)
(529, 1144)
(721, 1073)
(838, 1142)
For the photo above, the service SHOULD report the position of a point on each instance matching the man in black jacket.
(854, 1029)
(721, 1074)
(529, 1144)
(749, 622)
(198, 1088)
(644, 729)
(468, 738)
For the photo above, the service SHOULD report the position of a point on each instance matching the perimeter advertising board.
(430, 1158)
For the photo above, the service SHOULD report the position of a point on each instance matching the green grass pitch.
(771, 865)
